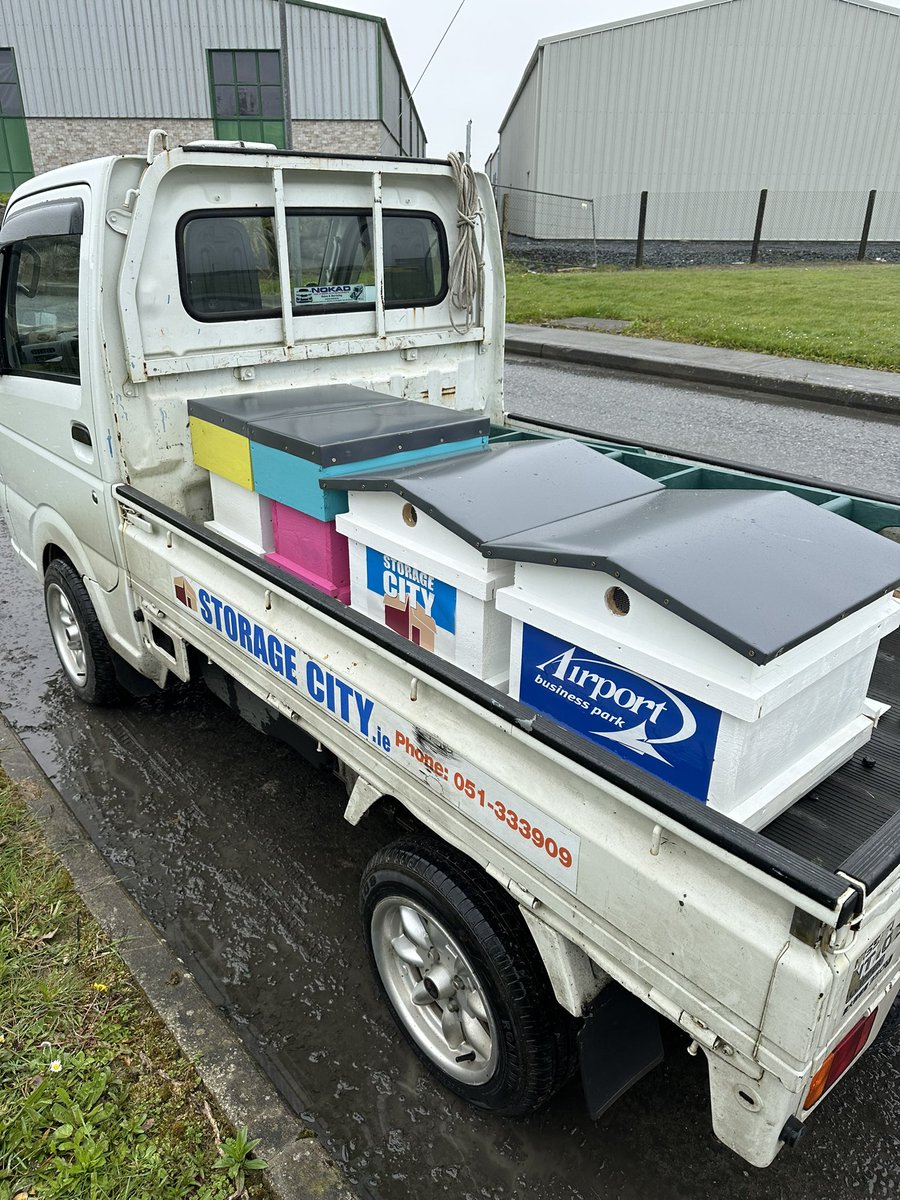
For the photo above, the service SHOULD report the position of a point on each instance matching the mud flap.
(132, 681)
(618, 1043)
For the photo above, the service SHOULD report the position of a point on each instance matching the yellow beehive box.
(222, 452)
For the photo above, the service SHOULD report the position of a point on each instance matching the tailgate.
(868, 984)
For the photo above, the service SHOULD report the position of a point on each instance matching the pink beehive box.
(311, 549)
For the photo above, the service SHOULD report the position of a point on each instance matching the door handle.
(81, 433)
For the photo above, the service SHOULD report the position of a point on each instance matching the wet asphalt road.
(816, 441)
(237, 851)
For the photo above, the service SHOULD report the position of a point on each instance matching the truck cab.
(130, 286)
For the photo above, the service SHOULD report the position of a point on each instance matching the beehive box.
(220, 442)
(721, 641)
(276, 446)
(411, 574)
(312, 550)
(417, 535)
(241, 516)
(292, 453)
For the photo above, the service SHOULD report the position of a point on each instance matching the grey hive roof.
(507, 488)
(238, 412)
(761, 571)
(337, 424)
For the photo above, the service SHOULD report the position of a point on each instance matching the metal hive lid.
(761, 571)
(507, 488)
(236, 412)
(336, 435)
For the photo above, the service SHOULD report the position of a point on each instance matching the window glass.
(245, 67)
(222, 66)
(246, 95)
(226, 101)
(10, 92)
(271, 101)
(229, 264)
(414, 270)
(331, 260)
(10, 100)
(269, 67)
(41, 307)
(248, 101)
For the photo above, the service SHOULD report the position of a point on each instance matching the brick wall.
(57, 141)
(347, 137)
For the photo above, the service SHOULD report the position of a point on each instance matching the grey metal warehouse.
(92, 77)
(703, 106)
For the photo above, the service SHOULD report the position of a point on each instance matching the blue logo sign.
(412, 589)
(666, 733)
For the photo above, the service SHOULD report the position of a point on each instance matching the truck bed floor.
(839, 815)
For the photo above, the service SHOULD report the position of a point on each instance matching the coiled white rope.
(467, 261)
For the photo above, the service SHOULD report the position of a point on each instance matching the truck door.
(48, 445)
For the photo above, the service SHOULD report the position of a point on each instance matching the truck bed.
(759, 851)
(836, 819)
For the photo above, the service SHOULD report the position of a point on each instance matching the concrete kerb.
(299, 1168)
(766, 376)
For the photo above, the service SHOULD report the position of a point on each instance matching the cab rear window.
(228, 262)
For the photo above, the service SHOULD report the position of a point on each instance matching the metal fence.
(536, 222)
(544, 231)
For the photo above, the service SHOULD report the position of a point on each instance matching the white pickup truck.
(555, 899)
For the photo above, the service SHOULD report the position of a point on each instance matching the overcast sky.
(479, 66)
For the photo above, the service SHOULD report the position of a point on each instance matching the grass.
(96, 1100)
(842, 314)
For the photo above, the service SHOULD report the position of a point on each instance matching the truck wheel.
(80, 643)
(464, 978)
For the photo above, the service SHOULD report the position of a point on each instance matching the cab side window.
(40, 306)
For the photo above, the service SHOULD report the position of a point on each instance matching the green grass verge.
(842, 314)
(96, 1100)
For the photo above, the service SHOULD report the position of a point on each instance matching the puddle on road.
(237, 851)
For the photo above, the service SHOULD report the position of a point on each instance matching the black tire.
(89, 668)
(532, 1047)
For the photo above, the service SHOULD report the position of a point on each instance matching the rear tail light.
(840, 1059)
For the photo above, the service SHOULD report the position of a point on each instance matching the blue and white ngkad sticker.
(412, 602)
(335, 293)
(671, 735)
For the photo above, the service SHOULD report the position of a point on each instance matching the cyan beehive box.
(292, 453)
(281, 444)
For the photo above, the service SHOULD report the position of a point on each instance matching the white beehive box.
(418, 535)
(746, 730)
(242, 516)
(748, 740)
(411, 574)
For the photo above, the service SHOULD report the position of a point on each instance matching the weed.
(237, 1159)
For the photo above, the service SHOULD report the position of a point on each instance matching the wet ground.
(238, 853)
